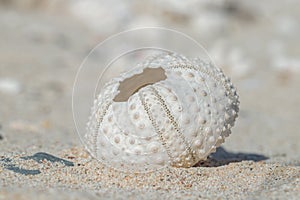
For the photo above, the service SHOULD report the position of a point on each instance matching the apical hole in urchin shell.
(131, 85)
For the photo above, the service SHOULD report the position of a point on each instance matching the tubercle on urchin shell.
(214, 133)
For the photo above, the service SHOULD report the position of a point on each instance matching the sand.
(41, 156)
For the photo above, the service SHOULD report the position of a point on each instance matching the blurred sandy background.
(43, 42)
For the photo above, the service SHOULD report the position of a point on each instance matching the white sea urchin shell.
(168, 110)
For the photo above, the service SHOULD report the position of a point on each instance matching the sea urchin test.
(167, 111)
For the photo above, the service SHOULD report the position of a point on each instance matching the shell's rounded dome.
(167, 111)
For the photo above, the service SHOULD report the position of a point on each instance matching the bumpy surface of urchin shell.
(177, 121)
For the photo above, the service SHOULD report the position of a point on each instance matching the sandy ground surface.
(41, 156)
